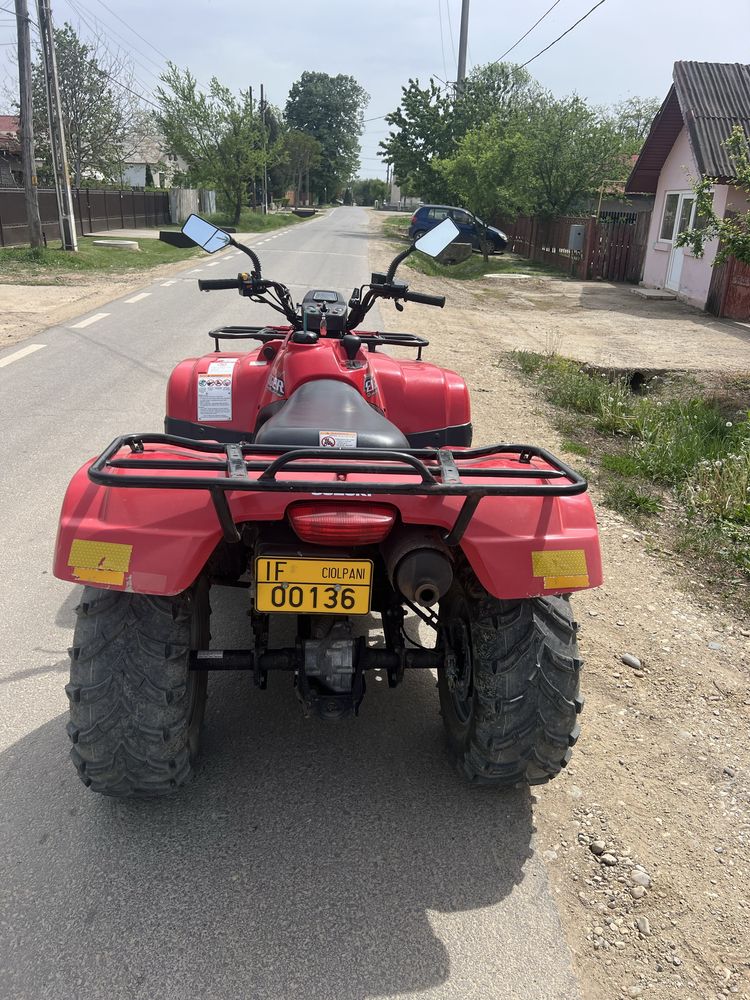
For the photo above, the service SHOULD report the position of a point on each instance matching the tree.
(733, 231)
(102, 120)
(369, 190)
(570, 150)
(632, 121)
(219, 135)
(431, 121)
(330, 109)
(302, 154)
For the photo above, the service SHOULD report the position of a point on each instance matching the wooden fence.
(95, 209)
(729, 292)
(610, 250)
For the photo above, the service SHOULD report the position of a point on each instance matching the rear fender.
(158, 541)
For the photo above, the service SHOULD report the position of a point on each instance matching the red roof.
(9, 123)
(9, 128)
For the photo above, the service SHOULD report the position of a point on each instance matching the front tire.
(136, 708)
(509, 692)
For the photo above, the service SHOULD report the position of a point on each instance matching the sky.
(624, 48)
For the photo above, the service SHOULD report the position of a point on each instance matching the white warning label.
(338, 439)
(214, 397)
(222, 366)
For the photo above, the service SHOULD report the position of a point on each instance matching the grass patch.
(396, 227)
(576, 448)
(676, 441)
(255, 222)
(36, 263)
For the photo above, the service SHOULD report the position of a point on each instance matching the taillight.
(414, 218)
(341, 523)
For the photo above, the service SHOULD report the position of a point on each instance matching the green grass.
(396, 227)
(675, 441)
(255, 222)
(34, 263)
(576, 448)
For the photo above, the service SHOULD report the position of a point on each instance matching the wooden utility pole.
(463, 43)
(27, 124)
(57, 130)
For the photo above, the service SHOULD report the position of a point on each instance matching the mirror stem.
(251, 254)
(395, 263)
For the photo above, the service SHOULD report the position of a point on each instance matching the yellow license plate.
(313, 586)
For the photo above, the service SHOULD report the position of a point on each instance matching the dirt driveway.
(646, 835)
(599, 323)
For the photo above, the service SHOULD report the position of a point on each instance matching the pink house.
(686, 139)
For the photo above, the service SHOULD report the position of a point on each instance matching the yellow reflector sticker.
(101, 556)
(562, 569)
(99, 562)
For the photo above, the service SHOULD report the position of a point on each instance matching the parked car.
(470, 226)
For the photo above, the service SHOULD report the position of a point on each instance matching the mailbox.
(575, 240)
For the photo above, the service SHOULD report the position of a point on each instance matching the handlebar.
(218, 284)
(425, 300)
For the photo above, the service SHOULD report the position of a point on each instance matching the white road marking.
(17, 355)
(196, 270)
(166, 284)
(137, 298)
(87, 322)
(214, 263)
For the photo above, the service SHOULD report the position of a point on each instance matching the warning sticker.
(222, 366)
(338, 439)
(214, 397)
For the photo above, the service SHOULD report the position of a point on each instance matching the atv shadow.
(302, 862)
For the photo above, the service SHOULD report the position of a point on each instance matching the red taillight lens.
(342, 523)
(414, 218)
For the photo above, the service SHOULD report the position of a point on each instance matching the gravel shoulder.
(646, 835)
(27, 309)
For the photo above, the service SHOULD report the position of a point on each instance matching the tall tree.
(218, 134)
(302, 155)
(368, 190)
(632, 120)
(431, 121)
(102, 120)
(329, 108)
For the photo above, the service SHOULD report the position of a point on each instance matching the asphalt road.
(306, 860)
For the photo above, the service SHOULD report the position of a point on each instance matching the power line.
(131, 28)
(99, 33)
(442, 39)
(548, 11)
(450, 28)
(547, 47)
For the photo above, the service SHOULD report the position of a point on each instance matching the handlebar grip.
(218, 284)
(425, 300)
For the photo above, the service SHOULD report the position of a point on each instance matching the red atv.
(332, 481)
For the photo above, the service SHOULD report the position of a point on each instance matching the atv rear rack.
(440, 472)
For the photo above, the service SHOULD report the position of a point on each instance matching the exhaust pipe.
(418, 565)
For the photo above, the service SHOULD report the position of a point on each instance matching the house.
(705, 102)
(148, 153)
(11, 165)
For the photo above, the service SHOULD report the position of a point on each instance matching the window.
(438, 214)
(686, 211)
(462, 218)
(668, 219)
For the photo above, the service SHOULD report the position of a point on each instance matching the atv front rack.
(266, 333)
(256, 468)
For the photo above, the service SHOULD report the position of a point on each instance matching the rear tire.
(510, 700)
(136, 708)
(418, 235)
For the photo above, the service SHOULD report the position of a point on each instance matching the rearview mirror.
(436, 240)
(455, 253)
(205, 234)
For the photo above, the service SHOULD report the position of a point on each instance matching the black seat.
(333, 406)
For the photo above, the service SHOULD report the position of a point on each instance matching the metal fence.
(95, 209)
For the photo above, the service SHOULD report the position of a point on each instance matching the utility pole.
(265, 171)
(463, 42)
(57, 130)
(27, 124)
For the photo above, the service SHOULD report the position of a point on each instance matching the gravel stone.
(638, 892)
(597, 847)
(643, 926)
(635, 991)
(608, 859)
(631, 661)
(639, 877)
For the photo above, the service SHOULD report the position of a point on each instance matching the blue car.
(427, 217)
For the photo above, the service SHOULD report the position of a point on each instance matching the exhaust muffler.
(418, 564)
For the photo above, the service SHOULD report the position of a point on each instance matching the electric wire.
(548, 11)
(450, 29)
(131, 28)
(98, 31)
(442, 39)
(567, 32)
